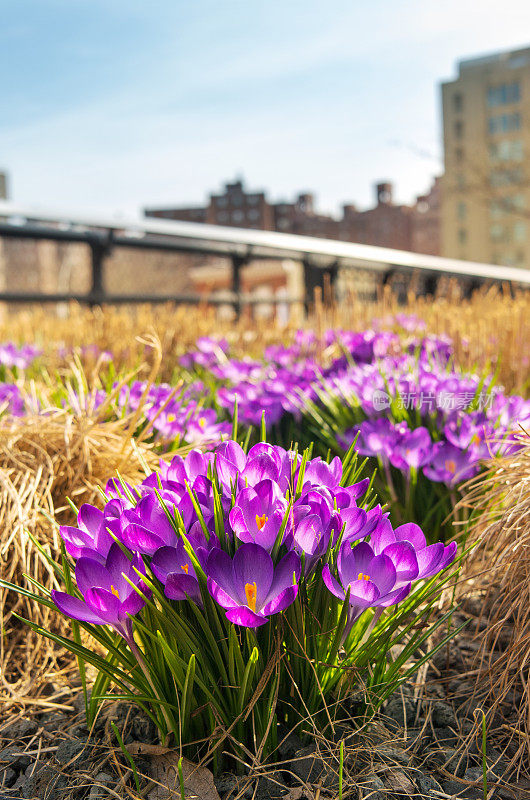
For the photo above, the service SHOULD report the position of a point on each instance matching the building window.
(504, 123)
(497, 232)
(507, 150)
(253, 214)
(237, 216)
(462, 236)
(506, 177)
(458, 102)
(459, 154)
(519, 231)
(252, 199)
(220, 202)
(503, 94)
(459, 129)
(461, 210)
(222, 216)
(460, 182)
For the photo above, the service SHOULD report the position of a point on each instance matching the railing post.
(237, 263)
(100, 248)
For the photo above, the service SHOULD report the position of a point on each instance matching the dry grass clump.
(501, 561)
(45, 459)
(490, 330)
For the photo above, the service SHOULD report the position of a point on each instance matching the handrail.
(217, 239)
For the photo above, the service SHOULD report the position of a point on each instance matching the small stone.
(143, 729)
(70, 750)
(229, 786)
(44, 782)
(400, 783)
(14, 758)
(443, 715)
(9, 777)
(427, 784)
(448, 758)
(473, 774)
(453, 788)
(448, 658)
(307, 765)
(400, 711)
(271, 786)
(288, 745)
(372, 788)
(22, 728)
(102, 781)
(393, 755)
(418, 738)
(446, 736)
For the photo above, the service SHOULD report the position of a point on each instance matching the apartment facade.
(386, 224)
(485, 191)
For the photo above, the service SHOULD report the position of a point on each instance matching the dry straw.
(501, 569)
(46, 458)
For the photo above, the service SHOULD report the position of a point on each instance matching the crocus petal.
(332, 583)
(410, 532)
(252, 564)
(133, 603)
(244, 616)
(382, 536)
(179, 585)
(363, 593)
(219, 571)
(404, 559)
(281, 601)
(394, 597)
(429, 559)
(75, 608)
(136, 537)
(383, 573)
(354, 560)
(90, 518)
(308, 534)
(286, 574)
(90, 573)
(104, 603)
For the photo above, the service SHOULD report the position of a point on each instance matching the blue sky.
(115, 104)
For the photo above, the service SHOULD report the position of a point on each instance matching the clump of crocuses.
(228, 575)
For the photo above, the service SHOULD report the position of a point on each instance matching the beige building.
(486, 186)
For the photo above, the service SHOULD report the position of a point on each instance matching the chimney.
(383, 193)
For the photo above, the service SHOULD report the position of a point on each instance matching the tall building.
(387, 224)
(3, 186)
(485, 194)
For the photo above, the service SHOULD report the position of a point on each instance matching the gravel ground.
(425, 744)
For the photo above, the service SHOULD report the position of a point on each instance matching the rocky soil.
(426, 743)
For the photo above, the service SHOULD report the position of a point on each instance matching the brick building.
(387, 224)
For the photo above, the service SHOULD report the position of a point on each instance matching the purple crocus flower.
(412, 449)
(91, 538)
(249, 586)
(258, 513)
(146, 528)
(108, 598)
(431, 558)
(373, 580)
(451, 465)
(174, 569)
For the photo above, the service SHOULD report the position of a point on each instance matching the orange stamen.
(362, 577)
(185, 568)
(251, 593)
(450, 467)
(260, 521)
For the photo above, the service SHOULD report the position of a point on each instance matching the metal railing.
(319, 257)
